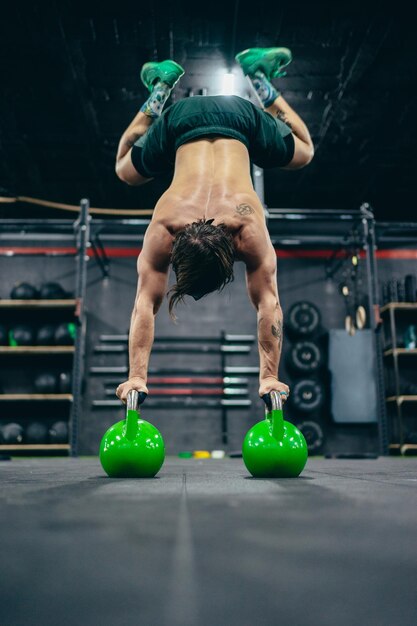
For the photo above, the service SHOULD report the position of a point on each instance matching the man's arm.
(125, 169)
(303, 144)
(153, 266)
(261, 280)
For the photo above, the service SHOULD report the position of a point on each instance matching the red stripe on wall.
(186, 392)
(396, 254)
(111, 252)
(180, 380)
(281, 254)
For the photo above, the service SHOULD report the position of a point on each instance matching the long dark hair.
(202, 258)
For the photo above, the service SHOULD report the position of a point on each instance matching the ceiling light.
(228, 84)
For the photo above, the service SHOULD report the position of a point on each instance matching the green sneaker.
(167, 72)
(269, 60)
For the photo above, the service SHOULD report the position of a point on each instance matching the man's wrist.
(141, 376)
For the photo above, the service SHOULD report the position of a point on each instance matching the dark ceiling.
(70, 83)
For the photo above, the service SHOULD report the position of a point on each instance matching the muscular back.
(212, 180)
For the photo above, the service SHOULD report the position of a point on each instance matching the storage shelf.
(398, 306)
(401, 399)
(36, 349)
(36, 396)
(37, 304)
(33, 446)
(400, 351)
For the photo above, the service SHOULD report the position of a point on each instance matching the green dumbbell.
(132, 448)
(274, 448)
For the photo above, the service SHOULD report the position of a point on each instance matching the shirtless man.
(210, 216)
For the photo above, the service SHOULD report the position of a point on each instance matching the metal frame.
(82, 233)
(368, 225)
(61, 232)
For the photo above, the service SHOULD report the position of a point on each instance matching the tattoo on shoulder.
(244, 209)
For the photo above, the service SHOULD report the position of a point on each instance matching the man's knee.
(307, 157)
(303, 155)
(127, 173)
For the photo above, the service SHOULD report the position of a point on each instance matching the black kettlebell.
(45, 335)
(65, 382)
(58, 433)
(12, 434)
(24, 291)
(46, 382)
(65, 334)
(21, 335)
(36, 433)
(52, 291)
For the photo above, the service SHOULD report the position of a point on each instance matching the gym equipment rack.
(221, 389)
(73, 238)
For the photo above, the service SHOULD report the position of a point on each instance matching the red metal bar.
(186, 392)
(282, 254)
(178, 380)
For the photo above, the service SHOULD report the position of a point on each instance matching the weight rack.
(224, 388)
(72, 237)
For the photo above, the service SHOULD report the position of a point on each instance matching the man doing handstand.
(210, 216)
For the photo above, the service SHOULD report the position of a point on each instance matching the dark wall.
(109, 303)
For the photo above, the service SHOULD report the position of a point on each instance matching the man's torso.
(212, 181)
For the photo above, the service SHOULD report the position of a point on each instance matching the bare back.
(212, 180)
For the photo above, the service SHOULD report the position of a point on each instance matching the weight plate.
(305, 357)
(303, 318)
(313, 435)
(307, 395)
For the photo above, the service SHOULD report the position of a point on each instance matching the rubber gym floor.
(203, 543)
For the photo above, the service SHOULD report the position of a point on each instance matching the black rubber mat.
(205, 544)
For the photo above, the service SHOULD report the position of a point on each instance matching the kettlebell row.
(35, 433)
(62, 334)
(272, 448)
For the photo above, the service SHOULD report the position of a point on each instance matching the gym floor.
(203, 543)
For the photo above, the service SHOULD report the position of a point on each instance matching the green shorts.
(269, 140)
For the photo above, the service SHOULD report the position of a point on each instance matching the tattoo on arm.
(281, 115)
(244, 209)
(130, 141)
(277, 331)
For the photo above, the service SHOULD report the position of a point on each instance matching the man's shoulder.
(157, 246)
(253, 245)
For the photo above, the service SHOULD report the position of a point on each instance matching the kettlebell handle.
(273, 413)
(134, 398)
(273, 401)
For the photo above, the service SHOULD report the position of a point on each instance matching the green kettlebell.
(132, 448)
(274, 448)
